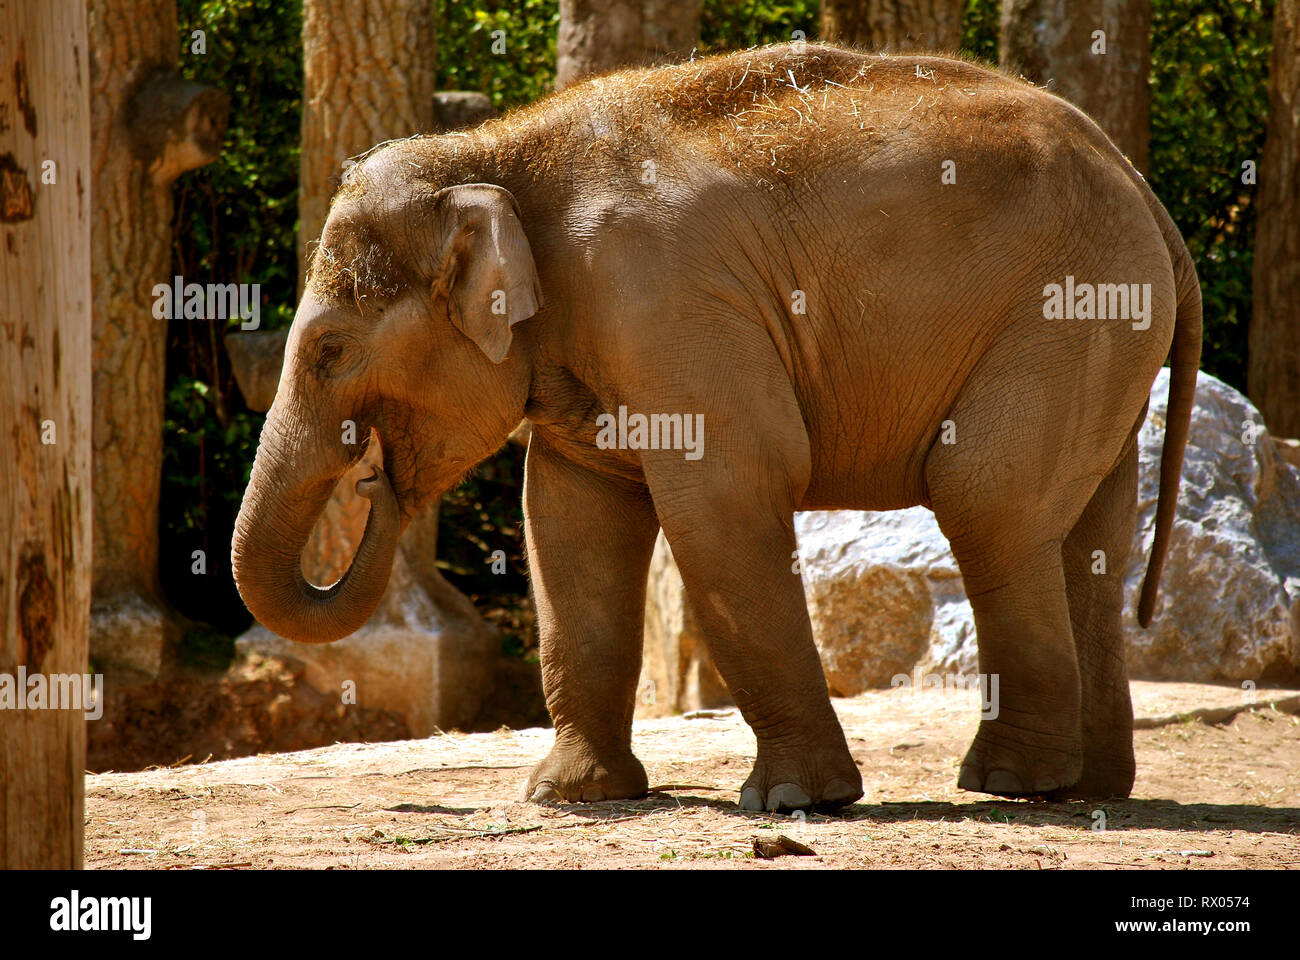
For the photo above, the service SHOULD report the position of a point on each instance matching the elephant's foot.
(573, 773)
(1017, 761)
(1108, 769)
(811, 777)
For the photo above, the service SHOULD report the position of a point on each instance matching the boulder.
(885, 596)
(255, 359)
(458, 109)
(132, 632)
(677, 675)
(1229, 606)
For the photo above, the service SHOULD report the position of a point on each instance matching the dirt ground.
(1218, 786)
(260, 704)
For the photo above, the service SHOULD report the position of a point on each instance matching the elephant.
(864, 281)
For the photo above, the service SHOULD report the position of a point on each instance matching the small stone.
(781, 846)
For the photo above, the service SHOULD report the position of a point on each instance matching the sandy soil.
(1217, 790)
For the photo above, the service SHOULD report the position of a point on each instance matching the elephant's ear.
(487, 275)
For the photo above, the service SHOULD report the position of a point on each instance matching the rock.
(415, 662)
(1229, 606)
(255, 359)
(126, 630)
(677, 675)
(458, 109)
(885, 596)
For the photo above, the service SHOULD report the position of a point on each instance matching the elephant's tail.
(1184, 361)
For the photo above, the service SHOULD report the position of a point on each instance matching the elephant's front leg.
(590, 539)
(734, 546)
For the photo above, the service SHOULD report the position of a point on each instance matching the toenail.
(787, 796)
(1003, 781)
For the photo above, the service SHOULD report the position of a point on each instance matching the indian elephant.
(846, 271)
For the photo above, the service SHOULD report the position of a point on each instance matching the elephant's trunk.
(275, 520)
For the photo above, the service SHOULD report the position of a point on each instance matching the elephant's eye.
(328, 354)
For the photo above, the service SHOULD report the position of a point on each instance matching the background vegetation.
(236, 221)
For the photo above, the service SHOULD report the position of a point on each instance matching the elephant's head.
(404, 332)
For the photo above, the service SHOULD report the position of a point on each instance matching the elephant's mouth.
(373, 453)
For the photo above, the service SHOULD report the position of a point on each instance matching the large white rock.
(1229, 606)
(885, 596)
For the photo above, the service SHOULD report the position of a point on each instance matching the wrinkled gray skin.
(793, 267)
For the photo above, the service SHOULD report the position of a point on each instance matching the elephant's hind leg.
(1005, 495)
(1095, 555)
(1029, 736)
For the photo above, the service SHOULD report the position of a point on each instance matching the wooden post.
(368, 71)
(894, 26)
(599, 35)
(1274, 375)
(45, 419)
(148, 126)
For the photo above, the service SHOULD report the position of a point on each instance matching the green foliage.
(235, 222)
(237, 218)
(205, 649)
(482, 515)
(195, 437)
(1209, 108)
(524, 72)
(979, 29)
(736, 24)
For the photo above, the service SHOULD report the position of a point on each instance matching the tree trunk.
(368, 76)
(670, 29)
(45, 411)
(1044, 42)
(894, 25)
(148, 127)
(600, 35)
(1274, 375)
